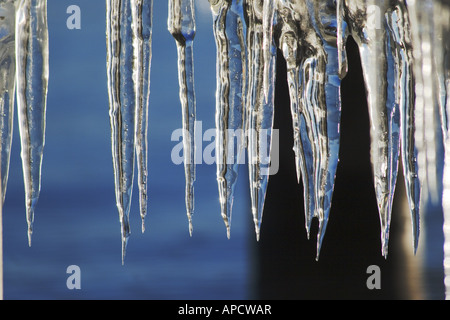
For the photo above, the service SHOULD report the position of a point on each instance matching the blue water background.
(76, 220)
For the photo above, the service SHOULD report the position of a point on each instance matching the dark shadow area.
(285, 257)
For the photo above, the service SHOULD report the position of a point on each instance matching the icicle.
(269, 9)
(441, 45)
(426, 90)
(32, 80)
(142, 14)
(398, 23)
(367, 24)
(290, 46)
(328, 106)
(441, 21)
(7, 85)
(229, 33)
(260, 114)
(181, 24)
(122, 107)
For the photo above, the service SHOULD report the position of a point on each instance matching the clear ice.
(7, 85)
(229, 31)
(122, 107)
(259, 107)
(32, 67)
(309, 47)
(128, 70)
(404, 50)
(181, 24)
(142, 16)
(312, 35)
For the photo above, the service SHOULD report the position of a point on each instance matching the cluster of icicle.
(404, 53)
(404, 49)
(24, 70)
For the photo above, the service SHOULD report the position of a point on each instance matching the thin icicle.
(142, 14)
(229, 33)
(259, 112)
(309, 136)
(398, 23)
(328, 107)
(122, 107)
(366, 20)
(7, 85)
(181, 24)
(441, 49)
(289, 44)
(32, 80)
(426, 90)
(314, 85)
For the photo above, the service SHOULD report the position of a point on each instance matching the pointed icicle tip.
(257, 232)
(143, 226)
(124, 248)
(191, 227)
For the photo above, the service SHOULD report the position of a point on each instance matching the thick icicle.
(122, 107)
(260, 113)
(7, 85)
(342, 33)
(328, 106)
(308, 42)
(31, 85)
(229, 33)
(142, 14)
(398, 23)
(181, 24)
(367, 23)
(289, 44)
